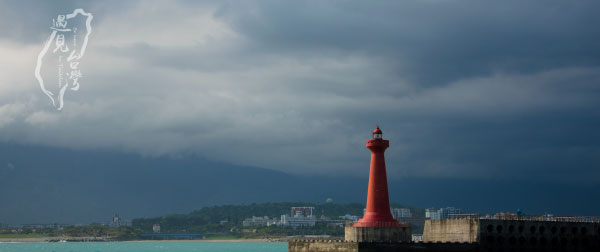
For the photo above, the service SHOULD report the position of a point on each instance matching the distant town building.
(335, 223)
(401, 213)
(47, 225)
(349, 217)
(417, 237)
(432, 214)
(442, 213)
(449, 211)
(300, 217)
(298, 221)
(259, 221)
(156, 228)
(116, 221)
(304, 211)
(397, 212)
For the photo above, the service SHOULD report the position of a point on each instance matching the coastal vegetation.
(216, 221)
(223, 222)
(90, 230)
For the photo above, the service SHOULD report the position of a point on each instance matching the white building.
(304, 211)
(417, 238)
(432, 214)
(259, 221)
(398, 213)
(442, 213)
(156, 228)
(447, 212)
(298, 221)
(301, 217)
(116, 221)
(349, 217)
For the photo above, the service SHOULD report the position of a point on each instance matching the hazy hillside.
(41, 185)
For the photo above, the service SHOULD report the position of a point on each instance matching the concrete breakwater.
(476, 234)
(349, 246)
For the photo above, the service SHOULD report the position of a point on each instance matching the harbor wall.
(451, 230)
(346, 246)
(515, 234)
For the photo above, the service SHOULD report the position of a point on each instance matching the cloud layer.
(462, 89)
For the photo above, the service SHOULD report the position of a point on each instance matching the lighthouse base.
(400, 233)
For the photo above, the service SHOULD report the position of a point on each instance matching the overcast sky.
(477, 89)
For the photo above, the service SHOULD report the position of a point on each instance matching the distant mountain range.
(44, 184)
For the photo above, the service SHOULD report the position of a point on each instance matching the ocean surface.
(149, 246)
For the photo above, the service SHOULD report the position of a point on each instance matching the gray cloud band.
(478, 90)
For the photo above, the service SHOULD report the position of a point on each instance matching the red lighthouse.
(378, 203)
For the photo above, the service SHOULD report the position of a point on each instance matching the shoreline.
(209, 240)
(56, 239)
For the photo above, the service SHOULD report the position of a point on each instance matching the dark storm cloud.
(432, 42)
(461, 88)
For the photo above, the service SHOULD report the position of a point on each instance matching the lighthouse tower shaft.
(378, 212)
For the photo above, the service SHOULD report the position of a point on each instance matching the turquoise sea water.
(149, 246)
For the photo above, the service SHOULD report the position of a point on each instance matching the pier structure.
(517, 233)
(378, 231)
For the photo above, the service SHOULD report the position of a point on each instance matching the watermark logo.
(58, 62)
